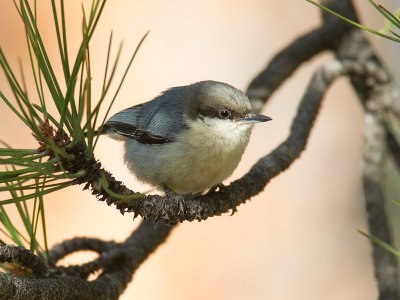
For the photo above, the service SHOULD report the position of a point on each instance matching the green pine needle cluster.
(29, 174)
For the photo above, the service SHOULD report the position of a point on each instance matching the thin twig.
(67, 247)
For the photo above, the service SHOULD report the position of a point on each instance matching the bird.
(187, 140)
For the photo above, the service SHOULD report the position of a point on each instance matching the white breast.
(214, 148)
(202, 157)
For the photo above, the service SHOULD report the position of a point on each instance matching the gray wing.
(154, 122)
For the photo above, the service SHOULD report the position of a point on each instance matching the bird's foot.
(177, 200)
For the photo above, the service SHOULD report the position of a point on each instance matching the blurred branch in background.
(73, 156)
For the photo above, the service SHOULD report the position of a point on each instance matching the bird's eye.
(224, 114)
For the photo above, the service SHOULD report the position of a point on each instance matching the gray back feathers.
(164, 116)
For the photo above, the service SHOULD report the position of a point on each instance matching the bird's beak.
(255, 118)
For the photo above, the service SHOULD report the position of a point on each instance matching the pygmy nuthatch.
(188, 139)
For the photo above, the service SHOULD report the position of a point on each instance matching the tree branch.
(375, 150)
(24, 257)
(61, 250)
(385, 263)
(376, 95)
(301, 50)
(78, 244)
(122, 262)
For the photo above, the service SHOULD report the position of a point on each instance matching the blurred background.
(296, 240)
